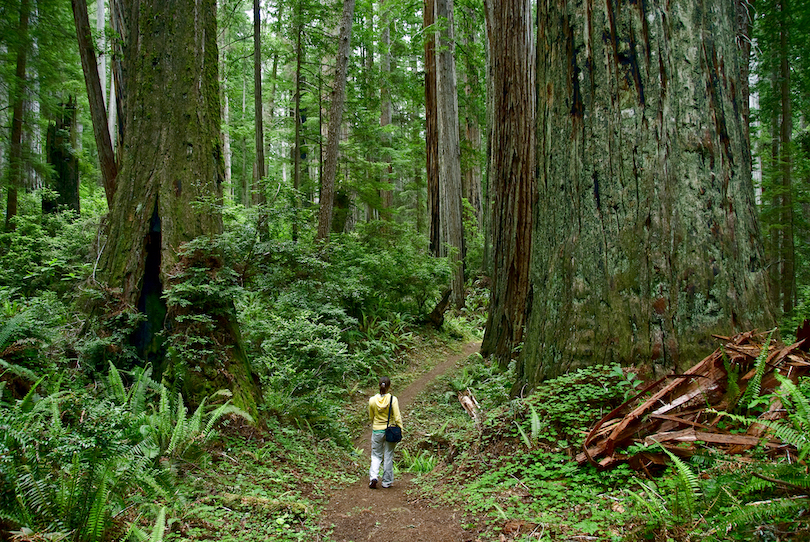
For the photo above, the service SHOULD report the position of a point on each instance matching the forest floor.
(356, 513)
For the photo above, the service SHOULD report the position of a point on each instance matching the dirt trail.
(357, 513)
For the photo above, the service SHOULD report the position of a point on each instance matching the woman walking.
(383, 409)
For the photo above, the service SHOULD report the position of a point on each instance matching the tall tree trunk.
(115, 105)
(258, 188)
(246, 179)
(170, 175)
(431, 128)
(327, 199)
(787, 253)
(17, 99)
(271, 101)
(227, 153)
(647, 240)
(112, 114)
(472, 188)
(299, 51)
(98, 111)
(102, 57)
(452, 225)
(744, 25)
(512, 177)
(386, 109)
(62, 157)
(771, 194)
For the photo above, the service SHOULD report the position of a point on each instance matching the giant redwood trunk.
(170, 189)
(646, 239)
(512, 172)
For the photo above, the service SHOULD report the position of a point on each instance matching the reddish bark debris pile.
(674, 410)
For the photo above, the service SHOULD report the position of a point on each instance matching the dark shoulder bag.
(392, 432)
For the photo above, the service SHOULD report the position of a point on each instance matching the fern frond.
(535, 423)
(22, 372)
(137, 393)
(179, 434)
(66, 493)
(34, 496)
(754, 513)
(56, 416)
(686, 479)
(160, 527)
(782, 431)
(792, 395)
(27, 402)
(195, 422)
(226, 408)
(164, 410)
(11, 327)
(97, 518)
(116, 385)
(732, 379)
(523, 434)
(754, 387)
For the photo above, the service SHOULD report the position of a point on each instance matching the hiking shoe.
(372, 484)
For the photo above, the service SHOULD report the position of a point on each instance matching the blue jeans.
(382, 452)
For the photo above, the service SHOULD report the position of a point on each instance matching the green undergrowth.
(514, 473)
(260, 485)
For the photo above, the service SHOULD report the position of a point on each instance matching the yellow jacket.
(378, 411)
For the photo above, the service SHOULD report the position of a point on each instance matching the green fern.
(523, 435)
(688, 484)
(651, 501)
(99, 511)
(160, 527)
(18, 370)
(732, 379)
(755, 385)
(755, 513)
(116, 385)
(795, 402)
(782, 431)
(180, 432)
(535, 421)
(137, 392)
(12, 327)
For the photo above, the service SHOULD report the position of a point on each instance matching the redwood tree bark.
(327, 199)
(170, 188)
(512, 172)
(17, 97)
(431, 129)
(471, 181)
(647, 240)
(451, 226)
(787, 254)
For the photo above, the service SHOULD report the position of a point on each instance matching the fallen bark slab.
(677, 411)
